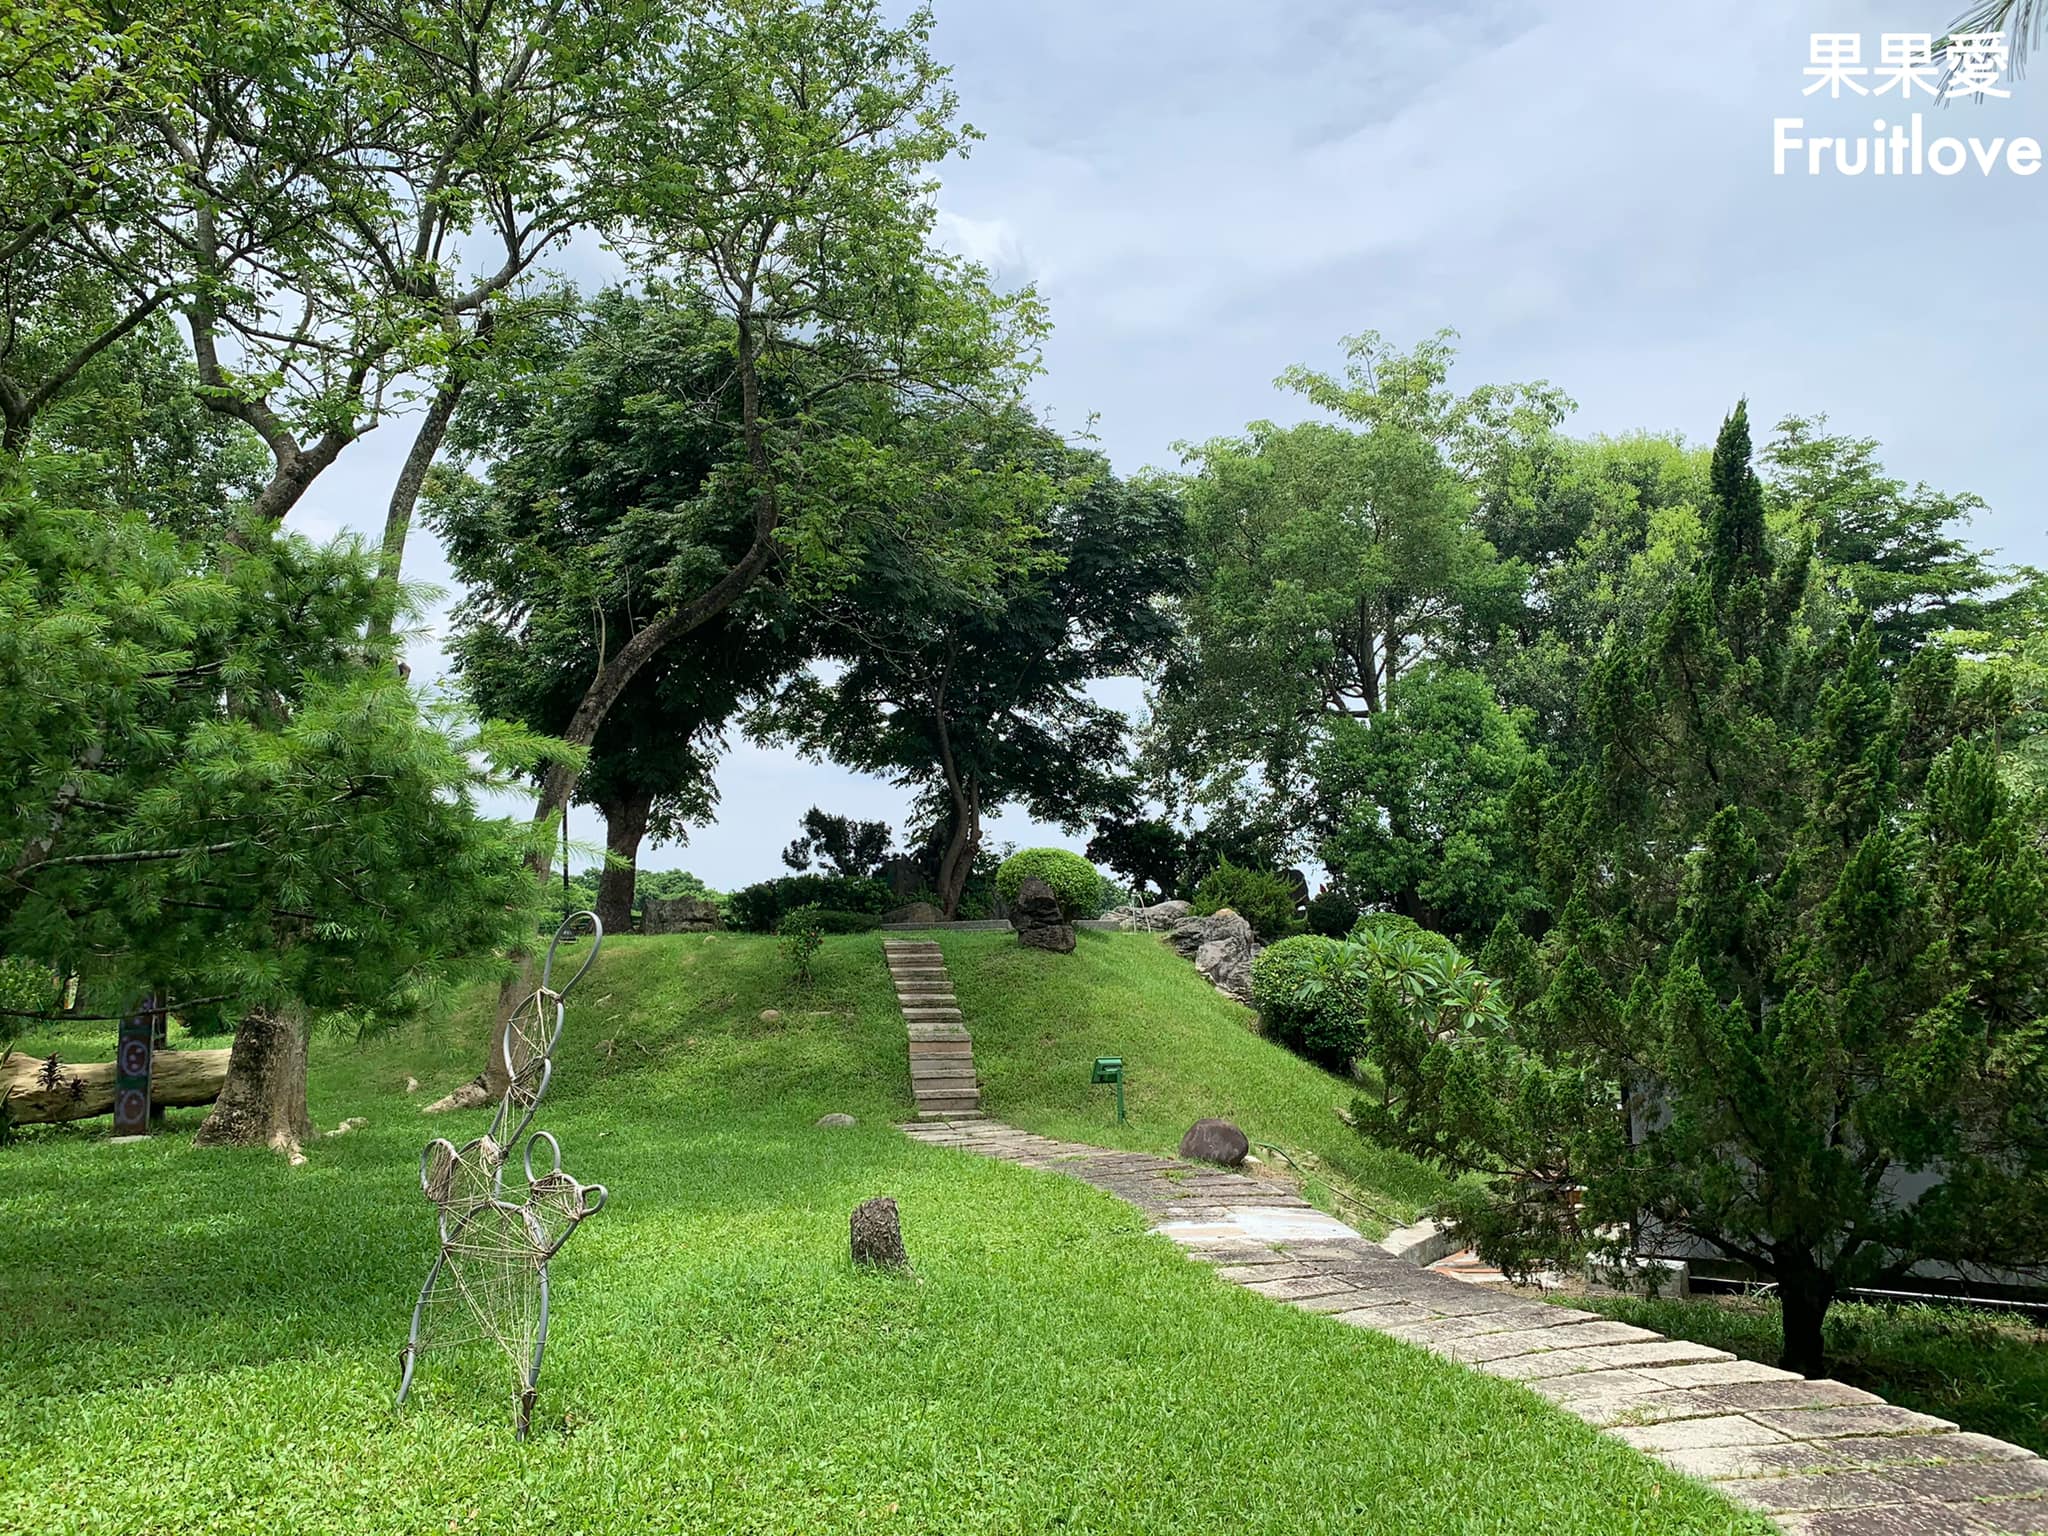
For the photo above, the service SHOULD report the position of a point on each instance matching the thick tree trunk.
(1805, 1294)
(263, 1101)
(625, 824)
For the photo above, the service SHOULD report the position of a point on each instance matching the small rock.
(1039, 922)
(412, 1085)
(352, 1123)
(1153, 919)
(878, 1234)
(770, 1015)
(1215, 1141)
(835, 1122)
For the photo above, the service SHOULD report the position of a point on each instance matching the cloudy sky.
(1207, 192)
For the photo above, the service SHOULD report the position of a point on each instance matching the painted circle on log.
(134, 1057)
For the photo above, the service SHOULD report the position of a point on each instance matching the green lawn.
(206, 1341)
(1987, 1372)
(1040, 1020)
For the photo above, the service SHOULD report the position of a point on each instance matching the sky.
(1206, 193)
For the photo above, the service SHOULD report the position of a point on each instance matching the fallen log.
(86, 1089)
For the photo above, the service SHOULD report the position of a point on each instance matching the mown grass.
(207, 1341)
(1986, 1371)
(1039, 1021)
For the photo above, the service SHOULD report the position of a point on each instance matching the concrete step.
(948, 1101)
(950, 1114)
(941, 1046)
(954, 1069)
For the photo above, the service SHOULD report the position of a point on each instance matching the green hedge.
(1311, 995)
(1076, 884)
(1263, 899)
(759, 908)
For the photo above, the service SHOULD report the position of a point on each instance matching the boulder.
(678, 914)
(1215, 1141)
(916, 912)
(878, 1234)
(1153, 919)
(1222, 947)
(1038, 920)
(835, 1122)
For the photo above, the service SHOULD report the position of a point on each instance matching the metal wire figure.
(490, 1279)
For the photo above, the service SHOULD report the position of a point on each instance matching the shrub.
(1332, 914)
(1311, 993)
(1261, 898)
(802, 936)
(1076, 884)
(25, 987)
(759, 908)
(839, 920)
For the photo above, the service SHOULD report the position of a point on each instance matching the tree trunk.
(263, 1101)
(957, 863)
(625, 823)
(1805, 1294)
(176, 1078)
(405, 497)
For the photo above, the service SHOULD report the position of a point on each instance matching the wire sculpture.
(490, 1280)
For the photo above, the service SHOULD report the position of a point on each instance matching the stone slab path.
(941, 1052)
(1821, 1458)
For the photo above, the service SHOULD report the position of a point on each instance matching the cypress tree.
(1798, 968)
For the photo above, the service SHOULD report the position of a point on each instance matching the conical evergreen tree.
(1828, 915)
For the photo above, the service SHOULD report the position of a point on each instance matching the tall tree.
(1795, 1004)
(1427, 808)
(213, 791)
(1891, 550)
(780, 166)
(978, 704)
(1332, 557)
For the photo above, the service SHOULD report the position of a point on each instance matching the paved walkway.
(1822, 1458)
(941, 1054)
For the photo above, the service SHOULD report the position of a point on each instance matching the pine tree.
(1797, 971)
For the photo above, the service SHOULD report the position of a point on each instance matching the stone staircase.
(941, 1052)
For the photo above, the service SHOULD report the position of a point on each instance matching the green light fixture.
(1110, 1069)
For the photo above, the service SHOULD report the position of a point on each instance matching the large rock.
(678, 914)
(878, 1234)
(1153, 919)
(1038, 920)
(1215, 1141)
(916, 912)
(1222, 946)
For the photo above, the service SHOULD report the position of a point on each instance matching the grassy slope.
(1988, 1373)
(207, 1341)
(1040, 1020)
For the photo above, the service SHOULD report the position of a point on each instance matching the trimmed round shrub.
(1076, 884)
(1263, 899)
(1389, 927)
(1311, 994)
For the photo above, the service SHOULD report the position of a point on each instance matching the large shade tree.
(982, 703)
(780, 166)
(1332, 557)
